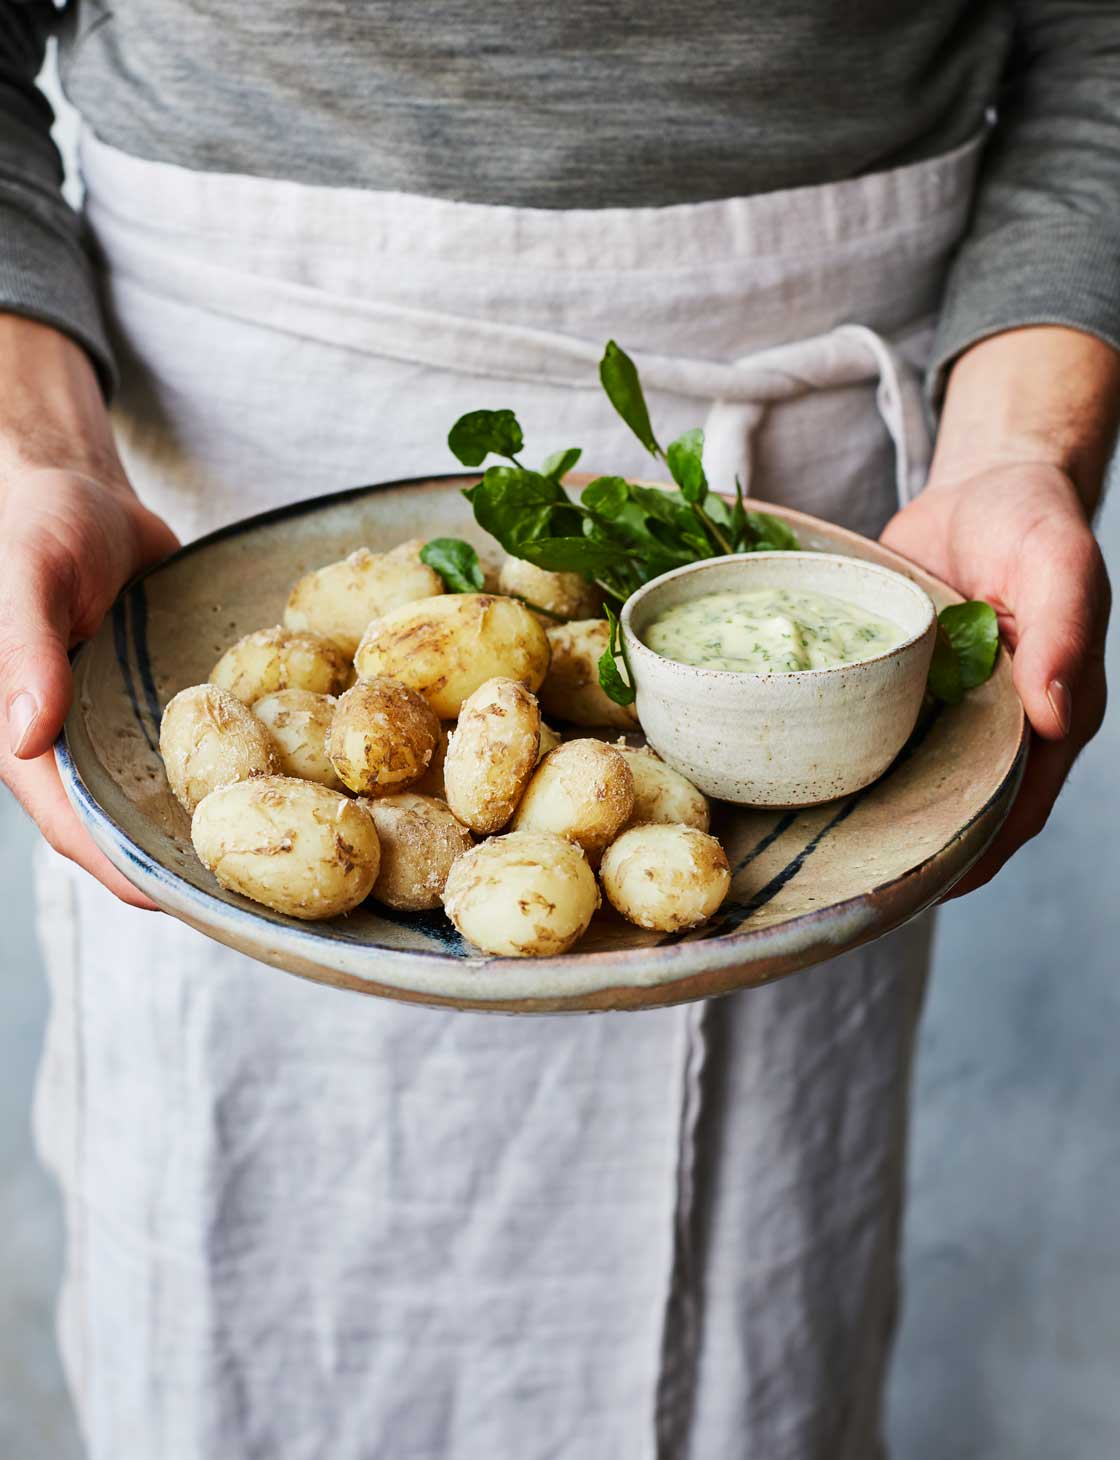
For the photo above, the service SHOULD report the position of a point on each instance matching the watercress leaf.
(515, 505)
(606, 496)
(480, 433)
(685, 458)
(944, 681)
(719, 512)
(560, 463)
(770, 534)
(620, 380)
(456, 562)
(973, 631)
(614, 684)
(569, 555)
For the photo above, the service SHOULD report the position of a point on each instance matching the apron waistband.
(268, 253)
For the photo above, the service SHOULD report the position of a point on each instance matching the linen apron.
(307, 1224)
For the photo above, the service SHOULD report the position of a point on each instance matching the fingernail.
(23, 711)
(1061, 702)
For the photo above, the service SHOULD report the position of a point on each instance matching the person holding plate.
(301, 1224)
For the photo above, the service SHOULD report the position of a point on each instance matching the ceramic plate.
(807, 885)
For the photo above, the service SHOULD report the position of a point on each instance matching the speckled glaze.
(806, 885)
(793, 739)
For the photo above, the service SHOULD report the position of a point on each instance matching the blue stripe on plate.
(139, 601)
(121, 646)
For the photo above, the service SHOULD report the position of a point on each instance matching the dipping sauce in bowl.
(770, 631)
(779, 678)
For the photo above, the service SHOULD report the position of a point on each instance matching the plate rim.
(703, 959)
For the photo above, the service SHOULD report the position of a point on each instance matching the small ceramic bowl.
(792, 739)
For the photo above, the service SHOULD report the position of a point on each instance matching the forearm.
(1043, 395)
(52, 412)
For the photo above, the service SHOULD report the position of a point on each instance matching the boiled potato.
(491, 754)
(446, 647)
(568, 594)
(666, 878)
(583, 790)
(382, 737)
(431, 782)
(420, 841)
(524, 894)
(571, 688)
(298, 721)
(662, 794)
(549, 741)
(341, 599)
(209, 739)
(293, 845)
(279, 658)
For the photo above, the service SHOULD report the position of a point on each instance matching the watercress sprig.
(619, 534)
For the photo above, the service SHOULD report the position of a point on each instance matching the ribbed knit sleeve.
(45, 272)
(1044, 242)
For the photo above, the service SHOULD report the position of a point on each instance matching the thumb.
(1060, 608)
(34, 666)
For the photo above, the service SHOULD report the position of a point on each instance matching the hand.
(73, 535)
(1017, 535)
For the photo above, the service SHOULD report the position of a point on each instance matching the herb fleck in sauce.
(770, 631)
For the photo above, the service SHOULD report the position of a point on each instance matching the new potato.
(568, 594)
(666, 878)
(382, 737)
(571, 690)
(420, 842)
(446, 647)
(662, 794)
(525, 894)
(582, 790)
(292, 845)
(491, 754)
(207, 739)
(341, 599)
(298, 721)
(271, 659)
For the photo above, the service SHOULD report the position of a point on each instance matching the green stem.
(711, 529)
(537, 608)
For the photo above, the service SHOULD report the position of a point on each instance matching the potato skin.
(446, 647)
(207, 739)
(549, 741)
(382, 737)
(491, 754)
(431, 782)
(340, 600)
(568, 594)
(662, 794)
(292, 845)
(571, 688)
(272, 659)
(420, 842)
(583, 790)
(298, 721)
(522, 895)
(665, 878)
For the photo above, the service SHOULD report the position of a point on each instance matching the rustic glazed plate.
(807, 885)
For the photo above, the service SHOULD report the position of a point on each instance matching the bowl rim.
(729, 677)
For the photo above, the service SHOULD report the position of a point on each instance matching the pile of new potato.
(309, 796)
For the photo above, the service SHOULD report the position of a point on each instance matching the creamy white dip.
(770, 631)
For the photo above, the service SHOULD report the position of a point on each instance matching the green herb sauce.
(770, 631)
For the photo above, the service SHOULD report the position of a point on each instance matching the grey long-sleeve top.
(592, 103)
